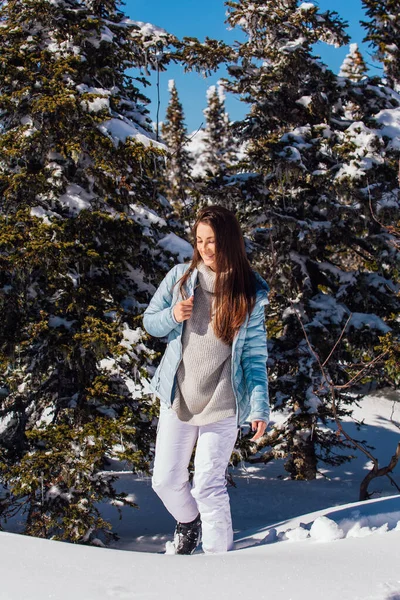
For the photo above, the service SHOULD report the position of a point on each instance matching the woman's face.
(205, 242)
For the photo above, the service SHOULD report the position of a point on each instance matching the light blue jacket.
(249, 347)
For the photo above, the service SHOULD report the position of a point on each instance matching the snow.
(292, 154)
(293, 539)
(361, 320)
(109, 364)
(351, 65)
(293, 45)
(390, 121)
(304, 100)
(298, 534)
(196, 147)
(299, 134)
(324, 529)
(5, 422)
(61, 49)
(76, 199)
(211, 92)
(131, 337)
(29, 129)
(41, 213)
(26, 120)
(306, 568)
(306, 6)
(60, 322)
(313, 402)
(106, 35)
(216, 89)
(148, 29)
(145, 216)
(329, 310)
(119, 131)
(176, 245)
(101, 102)
(221, 92)
(96, 105)
(138, 276)
(370, 143)
(388, 200)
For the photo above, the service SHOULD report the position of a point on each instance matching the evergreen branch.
(392, 229)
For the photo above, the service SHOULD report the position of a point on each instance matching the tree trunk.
(302, 463)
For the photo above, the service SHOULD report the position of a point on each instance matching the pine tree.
(383, 33)
(218, 139)
(353, 66)
(214, 153)
(308, 213)
(79, 224)
(178, 170)
(353, 69)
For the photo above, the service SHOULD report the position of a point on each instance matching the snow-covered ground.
(293, 540)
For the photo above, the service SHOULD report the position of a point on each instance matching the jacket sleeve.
(158, 318)
(254, 363)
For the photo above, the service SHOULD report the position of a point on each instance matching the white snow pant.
(208, 495)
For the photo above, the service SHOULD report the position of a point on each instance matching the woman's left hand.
(259, 427)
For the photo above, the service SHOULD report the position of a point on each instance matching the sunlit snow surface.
(293, 540)
(177, 245)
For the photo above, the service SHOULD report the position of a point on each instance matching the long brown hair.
(235, 285)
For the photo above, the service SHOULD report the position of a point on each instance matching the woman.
(211, 379)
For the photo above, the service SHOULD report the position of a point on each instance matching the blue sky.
(200, 18)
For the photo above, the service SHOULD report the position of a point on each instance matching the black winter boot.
(187, 536)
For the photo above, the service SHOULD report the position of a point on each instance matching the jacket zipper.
(193, 287)
(176, 371)
(232, 382)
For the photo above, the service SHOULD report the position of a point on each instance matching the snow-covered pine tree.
(219, 149)
(178, 168)
(313, 233)
(353, 66)
(354, 69)
(383, 32)
(79, 225)
(214, 152)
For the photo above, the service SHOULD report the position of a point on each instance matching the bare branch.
(358, 376)
(338, 341)
(392, 481)
(391, 416)
(376, 472)
(311, 348)
(189, 139)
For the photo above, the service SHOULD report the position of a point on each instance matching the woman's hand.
(259, 427)
(183, 310)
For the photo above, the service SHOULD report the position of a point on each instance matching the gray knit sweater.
(203, 391)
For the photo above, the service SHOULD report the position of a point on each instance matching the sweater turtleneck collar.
(206, 277)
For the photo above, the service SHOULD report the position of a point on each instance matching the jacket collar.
(262, 289)
(192, 281)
